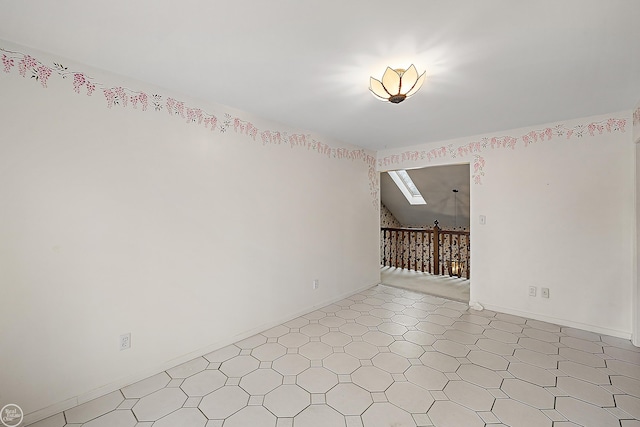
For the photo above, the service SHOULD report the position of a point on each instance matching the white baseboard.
(49, 411)
(561, 322)
(56, 408)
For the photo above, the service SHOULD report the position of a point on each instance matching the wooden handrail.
(432, 250)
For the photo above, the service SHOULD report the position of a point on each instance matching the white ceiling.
(492, 65)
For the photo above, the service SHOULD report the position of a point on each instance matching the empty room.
(196, 229)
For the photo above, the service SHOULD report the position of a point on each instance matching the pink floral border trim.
(474, 148)
(478, 169)
(636, 125)
(38, 71)
(123, 97)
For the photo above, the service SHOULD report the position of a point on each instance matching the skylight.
(408, 188)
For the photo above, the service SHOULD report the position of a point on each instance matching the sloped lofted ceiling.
(492, 65)
(436, 184)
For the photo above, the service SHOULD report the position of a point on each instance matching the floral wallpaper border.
(475, 148)
(28, 65)
(81, 82)
(636, 125)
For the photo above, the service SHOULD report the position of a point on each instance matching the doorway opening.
(426, 247)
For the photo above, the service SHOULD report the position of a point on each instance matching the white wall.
(636, 294)
(559, 214)
(119, 220)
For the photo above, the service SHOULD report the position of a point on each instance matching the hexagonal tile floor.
(389, 357)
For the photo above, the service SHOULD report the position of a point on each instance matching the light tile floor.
(389, 357)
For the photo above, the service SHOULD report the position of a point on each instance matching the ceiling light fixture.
(397, 85)
(455, 203)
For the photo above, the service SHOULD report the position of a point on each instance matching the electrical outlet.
(316, 284)
(125, 341)
(544, 292)
(532, 291)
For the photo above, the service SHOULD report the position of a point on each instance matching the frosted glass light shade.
(397, 85)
